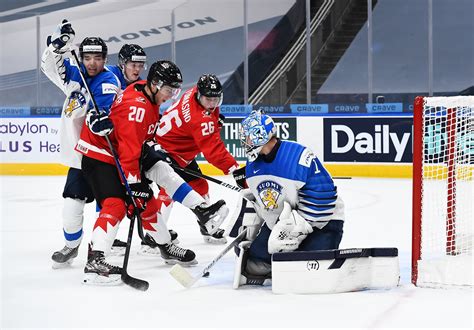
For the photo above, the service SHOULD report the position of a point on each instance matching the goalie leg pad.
(335, 271)
(250, 271)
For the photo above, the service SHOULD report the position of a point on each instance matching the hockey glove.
(99, 123)
(151, 154)
(62, 39)
(288, 232)
(240, 178)
(141, 194)
(221, 120)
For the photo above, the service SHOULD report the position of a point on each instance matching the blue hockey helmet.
(256, 130)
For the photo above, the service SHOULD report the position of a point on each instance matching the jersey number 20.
(136, 114)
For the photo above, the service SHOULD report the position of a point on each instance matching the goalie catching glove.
(141, 194)
(288, 232)
(61, 40)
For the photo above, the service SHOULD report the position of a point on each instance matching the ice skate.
(174, 236)
(118, 248)
(212, 216)
(149, 247)
(173, 254)
(216, 238)
(99, 272)
(64, 257)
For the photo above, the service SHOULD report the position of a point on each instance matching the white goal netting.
(447, 192)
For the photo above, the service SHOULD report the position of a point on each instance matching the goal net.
(443, 186)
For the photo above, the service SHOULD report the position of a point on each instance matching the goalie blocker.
(335, 271)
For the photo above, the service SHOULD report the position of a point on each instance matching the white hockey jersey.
(295, 175)
(65, 75)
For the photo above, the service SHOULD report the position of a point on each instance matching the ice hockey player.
(131, 63)
(191, 126)
(59, 68)
(134, 117)
(284, 173)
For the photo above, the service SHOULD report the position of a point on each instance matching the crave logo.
(269, 192)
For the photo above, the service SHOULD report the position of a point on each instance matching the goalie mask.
(256, 130)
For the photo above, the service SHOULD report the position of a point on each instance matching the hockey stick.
(126, 278)
(187, 280)
(203, 176)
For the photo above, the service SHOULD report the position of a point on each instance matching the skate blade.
(216, 241)
(62, 265)
(149, 252)
(96, 279)
(182, 263)
(117, 252)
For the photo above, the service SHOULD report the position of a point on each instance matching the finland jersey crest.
(269, 192)
(75, 101)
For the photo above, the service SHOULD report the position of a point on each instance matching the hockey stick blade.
(187, 280)
(182, 276)
(135, 282)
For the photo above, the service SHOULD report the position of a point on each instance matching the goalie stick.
(187, 280)
(135, 283)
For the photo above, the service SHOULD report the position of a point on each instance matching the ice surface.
(33, 295)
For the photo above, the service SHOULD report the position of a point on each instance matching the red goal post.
(443, 185)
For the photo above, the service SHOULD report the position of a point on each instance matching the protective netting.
(447, 192)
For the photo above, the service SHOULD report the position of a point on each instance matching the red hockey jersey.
(135, 119)
(186, 129)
